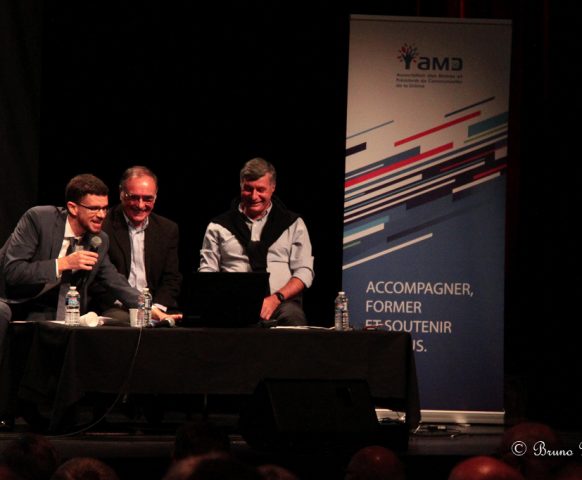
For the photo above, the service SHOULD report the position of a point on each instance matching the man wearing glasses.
(51, 242)
(143, 247)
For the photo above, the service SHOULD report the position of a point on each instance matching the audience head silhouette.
(520, 443)
(275, 472)
(484, 468)
(375, 463)
(571, 471)
(196, 438)
(211, 466)
(31, 456)
(7, 474)
(84, 468)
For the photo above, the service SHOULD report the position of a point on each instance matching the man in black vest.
(259, 234)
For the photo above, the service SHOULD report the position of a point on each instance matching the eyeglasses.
(94, 208)
(136, 198)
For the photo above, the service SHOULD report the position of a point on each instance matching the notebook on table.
(225, 299)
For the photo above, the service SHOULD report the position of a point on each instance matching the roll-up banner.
(425, 188)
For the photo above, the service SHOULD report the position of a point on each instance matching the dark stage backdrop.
(194, 90)
(20, 47)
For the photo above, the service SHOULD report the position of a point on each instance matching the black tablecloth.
(62, 364)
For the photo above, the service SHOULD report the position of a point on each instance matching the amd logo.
(434, 63)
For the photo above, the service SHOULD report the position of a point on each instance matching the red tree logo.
(407, 54)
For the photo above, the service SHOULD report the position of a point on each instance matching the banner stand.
(424, 201)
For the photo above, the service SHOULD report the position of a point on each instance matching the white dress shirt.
(137, 271)
(289, 256)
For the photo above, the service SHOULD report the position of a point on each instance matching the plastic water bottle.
(72, 307)
(342, 317)
(144, 314)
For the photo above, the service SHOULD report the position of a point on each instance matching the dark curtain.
(20, 77)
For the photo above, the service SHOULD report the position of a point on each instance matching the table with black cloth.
(62, 364)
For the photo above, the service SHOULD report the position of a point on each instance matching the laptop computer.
(225, 299)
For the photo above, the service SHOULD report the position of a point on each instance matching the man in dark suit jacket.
(143, 247)
(34, 258)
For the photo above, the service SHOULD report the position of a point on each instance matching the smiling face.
(256, 195)
(138, 197)
(88, 214)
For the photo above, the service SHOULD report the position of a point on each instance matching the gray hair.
(256, 168)
(136, 171)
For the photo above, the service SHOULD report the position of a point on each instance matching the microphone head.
(95, 243)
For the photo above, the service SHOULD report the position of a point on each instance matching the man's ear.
(73, 208)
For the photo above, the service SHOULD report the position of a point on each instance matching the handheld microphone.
(95, 243)
(80, 276)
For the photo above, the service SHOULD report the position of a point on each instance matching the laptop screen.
(226, 299)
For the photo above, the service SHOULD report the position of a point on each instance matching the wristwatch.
(280, 296)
